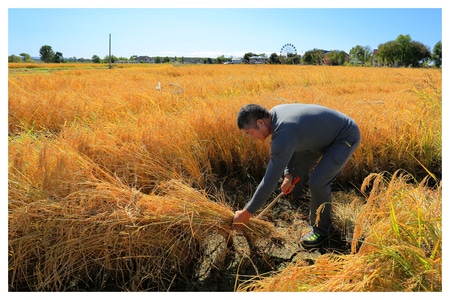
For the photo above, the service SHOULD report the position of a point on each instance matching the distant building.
(143, 59)
(258, 59)
(126, 62)
(236, 60)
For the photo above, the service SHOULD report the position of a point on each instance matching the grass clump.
(72, 225)
(396, 245)
(106, 236)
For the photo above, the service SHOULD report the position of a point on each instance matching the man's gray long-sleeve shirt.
(298, 128)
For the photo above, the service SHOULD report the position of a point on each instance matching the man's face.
(260, 132)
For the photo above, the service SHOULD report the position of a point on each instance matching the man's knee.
(316, 183)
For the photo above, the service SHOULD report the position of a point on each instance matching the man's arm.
(277, 163)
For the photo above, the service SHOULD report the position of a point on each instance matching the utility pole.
(110, 51)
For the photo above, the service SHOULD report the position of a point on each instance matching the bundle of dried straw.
(109, 236)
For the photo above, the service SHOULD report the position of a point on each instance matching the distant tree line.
(403, 51)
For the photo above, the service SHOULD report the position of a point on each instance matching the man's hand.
(241, 217)
(287, 186)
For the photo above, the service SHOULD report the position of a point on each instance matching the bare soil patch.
(228, 263)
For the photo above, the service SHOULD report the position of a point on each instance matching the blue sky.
(212, 32)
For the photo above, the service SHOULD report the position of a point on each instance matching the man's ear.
(259, 122)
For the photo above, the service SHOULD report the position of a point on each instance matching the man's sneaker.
(313, 239)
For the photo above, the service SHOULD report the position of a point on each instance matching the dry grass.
(398, 110)
(400, 231)
(97, 229)
(114, 183)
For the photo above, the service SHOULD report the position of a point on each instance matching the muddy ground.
(226, 264)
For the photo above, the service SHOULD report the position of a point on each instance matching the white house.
(236, 60)
(258, 59)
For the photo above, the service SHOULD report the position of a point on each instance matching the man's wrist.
(289, 177)
(247, 213)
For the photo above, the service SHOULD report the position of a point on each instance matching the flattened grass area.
(127, 179)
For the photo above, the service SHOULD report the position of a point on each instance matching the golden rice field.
(127, 179)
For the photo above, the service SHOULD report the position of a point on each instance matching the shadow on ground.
(228, 263)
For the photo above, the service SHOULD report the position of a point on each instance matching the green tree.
(58, 57)
(313, 57)
(437, 54)
(403, 52)
(113, 59)
(404, 49)
(46, 53)
(26, 57)
(14, 58)
(361, 55)
(420, 54)
(96, 59)
(297, 59)
(274, 58)
(221, 59)
(387, 53)
(292, 59)
(308, 58)
(336, 58)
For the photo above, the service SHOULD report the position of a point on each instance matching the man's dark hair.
(248, 115)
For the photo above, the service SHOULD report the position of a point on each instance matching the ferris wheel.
(288, 49)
